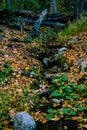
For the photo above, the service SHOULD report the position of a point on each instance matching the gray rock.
(84, 45)
(84, 66)
(46, 61)
(54, 69)
(23, 121)
(58, 101)
(50, 76)
(80, 59)
(32, 74)
(62, 50)
(72, 40)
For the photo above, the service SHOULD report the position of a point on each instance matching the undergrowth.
(67, 99)
(6, 72)
(72, 29)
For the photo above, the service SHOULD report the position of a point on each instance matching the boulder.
(23, 121)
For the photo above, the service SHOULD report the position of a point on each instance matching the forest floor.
(24, 74)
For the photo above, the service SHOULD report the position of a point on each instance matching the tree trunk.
(9, 4)
(53, 7)
(4, 4)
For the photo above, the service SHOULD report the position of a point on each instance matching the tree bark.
(53, 7)
(9, 4)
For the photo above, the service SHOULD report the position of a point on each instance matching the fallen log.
(26, 14)
(23, 13)
(57, 17)
(7, 16)
(62, 18)
(53, 24)
(35, 30)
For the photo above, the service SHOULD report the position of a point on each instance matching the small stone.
(51, 76)
(60, 53)
(32, 74)
(84, 45)
(80, 59)
(72, 40)
(58, 101)
(23, 121)
(62, 50)
(84, 66)
(54, 69)
(46, 61)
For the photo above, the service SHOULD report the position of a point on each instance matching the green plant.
(35, 3)
(28, 40)
(5, 72)
(61, 60)
(62, 78)
(1, 35)
(72, 96)
(35, 84)
(73, 28)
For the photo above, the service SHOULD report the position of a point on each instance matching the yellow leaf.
(80, 126)
(27, 84)
(19, 90)
(56, 118)
(26, 109)
(1, 67)
(20, 57)
(62, 116)
(55, 104)
(65, 128)
(85, 120)
(85, 126)
(44, 120)
(12, 85)
(8, 129)
(61, 91)
(23, 77)
(27, 68)
(6, 122)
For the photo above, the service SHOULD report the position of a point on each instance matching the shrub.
(73, 28)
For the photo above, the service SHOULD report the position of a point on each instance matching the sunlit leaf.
(68, 97)
(65, 111)
(55, 93)
(56, 118)
(49, 116)
(50, 110)
(73, 113)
